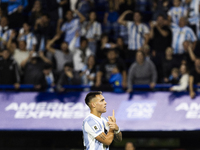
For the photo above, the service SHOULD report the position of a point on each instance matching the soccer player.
(99, 132)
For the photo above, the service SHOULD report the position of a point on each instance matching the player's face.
(100, 104)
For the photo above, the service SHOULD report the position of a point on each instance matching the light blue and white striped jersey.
(2, 30)
(94, 30)
(195, 20)
(29, 38)
(136, 35)
(70, 29)
(193, 7)
(92, 127)
(179, 36)
(176, 13)
(6, 35)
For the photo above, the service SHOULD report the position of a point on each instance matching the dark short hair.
(91, 95)
(83, 39)
(47, 66)
(69, 64)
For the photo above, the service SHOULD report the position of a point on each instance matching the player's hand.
(192, 94)
(112, 122)
(112, 118)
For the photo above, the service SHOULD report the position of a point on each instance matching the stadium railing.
(146, 86)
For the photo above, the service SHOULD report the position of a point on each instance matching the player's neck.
(96, 113)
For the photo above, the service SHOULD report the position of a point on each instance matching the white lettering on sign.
(192, 110)
(50, 110)
(140, 110)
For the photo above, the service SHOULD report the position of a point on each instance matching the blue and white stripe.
(92, 127)
(176, 13)
(179, 36)
(30, 40)
(136, 35)
(70, 29)
(94, 30)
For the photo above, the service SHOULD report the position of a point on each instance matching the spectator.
(9, 70)
(183, 81)
(92, 31)
(174, 76)
(26, 35)
(5, 31)
(192, 6)
(71, 26)
(43, 31)
(141, 72)
(129, 146)
(106, 68)
(176, 12)
(194, 78)
(61, 56)
(138, 33)
(116, 80)
(110, 25)
(80, 54)
(47, 78)
(88, 72)
(36, 12)
(182, 33)
(20, 53)
(85, 6)
(161, 37)
(121, 48)
(160, 7)
(3, 28)
(168, 63)
(102, 46)
(68, 77)
(32, 67)
(123, 6)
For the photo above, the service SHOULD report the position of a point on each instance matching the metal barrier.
(146, 86)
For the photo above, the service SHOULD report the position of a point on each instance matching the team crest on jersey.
(95, 127)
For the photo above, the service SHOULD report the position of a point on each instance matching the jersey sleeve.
(129, 24)
(92, 128)
(146, 29)
(63, 28)
(169, 13)
(192, 36)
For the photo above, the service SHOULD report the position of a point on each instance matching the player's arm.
(106, 139)
(121, 19)
(118, 137)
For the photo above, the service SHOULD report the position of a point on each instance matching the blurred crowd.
(106, 44)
